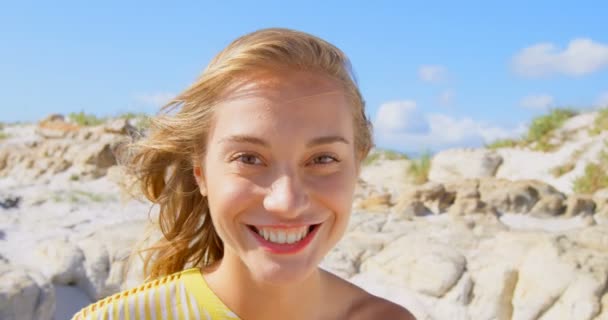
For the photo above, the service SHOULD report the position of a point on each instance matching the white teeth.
(283, 236)
(273, 237)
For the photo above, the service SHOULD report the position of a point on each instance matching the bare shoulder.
(361, 305)
(373, 307)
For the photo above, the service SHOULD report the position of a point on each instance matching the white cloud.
(432, 73)
(441, 131)
(446, 98)
(582, 56)
(602, 100)
(538, 101)
(399, 116)
(155, 99)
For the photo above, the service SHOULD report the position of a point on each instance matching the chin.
(282, 271)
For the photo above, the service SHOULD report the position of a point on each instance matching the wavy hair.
(164, 160)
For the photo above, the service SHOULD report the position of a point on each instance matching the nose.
(286, 197)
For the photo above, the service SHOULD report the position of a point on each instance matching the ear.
(200, 180)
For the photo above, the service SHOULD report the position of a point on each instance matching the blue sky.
(434, 74)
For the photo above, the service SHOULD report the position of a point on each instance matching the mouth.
(283, 240)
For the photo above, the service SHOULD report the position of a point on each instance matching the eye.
(248, 158)
(324, 159)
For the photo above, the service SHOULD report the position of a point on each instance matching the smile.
(284, 240)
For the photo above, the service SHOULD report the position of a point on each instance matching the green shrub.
(593, 179)
(3, 135)
(539, 132)
(562, 170)
(503, 143)
(595, 176)
(371, 158)
(544, 145)
(132, 115)
(601, 122)
(84, 119)
(542, 126)
(383, 155)
(419, 169)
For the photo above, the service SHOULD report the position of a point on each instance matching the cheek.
(228, 197)
(336, 192)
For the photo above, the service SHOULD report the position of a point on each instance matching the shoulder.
(372, 307)
(125, 302)
(361, 305)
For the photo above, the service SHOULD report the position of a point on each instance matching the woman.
(254, 168)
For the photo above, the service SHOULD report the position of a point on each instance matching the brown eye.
(249, 159)
(324, 159)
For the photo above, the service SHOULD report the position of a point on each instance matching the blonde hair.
(164, 161)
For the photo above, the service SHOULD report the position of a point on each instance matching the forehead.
(283, 86)
(291, 102)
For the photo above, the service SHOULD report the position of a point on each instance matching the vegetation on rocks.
(563, 169)
(539, 133)
(3, 135)
(419, 169)
(80, 196)
(141, 121)
(601, 122)
(133, 115)
(544, 125)
(84, 119)
(503, 143)
(595, 176)
(381, 154)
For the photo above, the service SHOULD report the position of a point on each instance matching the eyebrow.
(314, 142)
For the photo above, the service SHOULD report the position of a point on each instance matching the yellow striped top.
(179, 296)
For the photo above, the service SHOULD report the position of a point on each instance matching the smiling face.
(279, 173)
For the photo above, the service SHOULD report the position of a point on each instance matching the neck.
(251, 298)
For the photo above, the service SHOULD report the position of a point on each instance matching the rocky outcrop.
(374, 202)
(446, 249)
(24, 295)
(455, 165)
(9, 201)
(106, 259)
(458, 272)
(486, 196)
(63, 261)
(55, 126)
(413, 268)
(60, 146)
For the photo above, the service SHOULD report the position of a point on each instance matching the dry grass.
(600, 123)
(563, 169)
(419, 169)
(595, 176)
(539, 133)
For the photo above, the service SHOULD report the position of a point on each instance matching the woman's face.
(279, 173)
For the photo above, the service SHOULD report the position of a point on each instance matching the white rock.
(543, 276)
(107, 253)
(493, 292)
(428, 268)
(63, 261)
(456, 164)
(24, 295)
(579, 301)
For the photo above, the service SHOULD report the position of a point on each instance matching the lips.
(284, 240)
